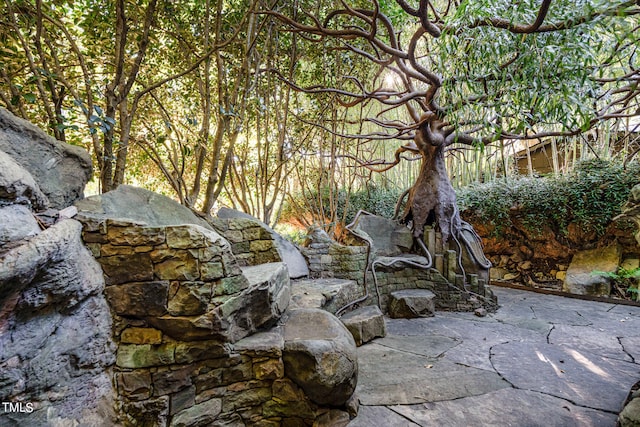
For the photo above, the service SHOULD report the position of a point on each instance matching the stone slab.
(138, 205)
(470, 338)
(578, 376)
(591, 340)
(431, 346)
(370, 416)
(392, 377)
(505, 407)
(269, 343)
(631, 346)
(328, 294)
(365, 324)
(404, 378)
(411, 303)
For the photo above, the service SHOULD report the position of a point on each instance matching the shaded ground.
(541, 360)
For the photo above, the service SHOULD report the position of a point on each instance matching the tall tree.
(469, 73)
(135, 76)
(195, 121)
(108, 41)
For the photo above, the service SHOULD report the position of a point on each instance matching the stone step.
(412, 303)
(365, 324)
(327, 294)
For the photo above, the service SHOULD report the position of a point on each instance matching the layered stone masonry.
(251, 243)
(328, 258)
(208, 384)
(185, 323)
(182, 279)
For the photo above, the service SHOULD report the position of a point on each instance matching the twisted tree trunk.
(432, 199)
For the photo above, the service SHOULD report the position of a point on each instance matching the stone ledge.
(327, 294)
(412, 303)
(365, 324)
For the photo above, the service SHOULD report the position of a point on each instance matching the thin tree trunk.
(529, 163)
(554, 157)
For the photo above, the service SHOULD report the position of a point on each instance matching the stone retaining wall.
(182, 279)
(328, 258)
(251, 243)
(206, 384)
(185, 323)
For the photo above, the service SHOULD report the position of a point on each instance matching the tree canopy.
(493, 69)
(249, 99)
(472, 73)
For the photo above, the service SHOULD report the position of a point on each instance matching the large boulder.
(133, 204)
(60, 170)
(584, 273)
(57, 260)
(18, 186)
(287, 252)
(387, 237)
(630, 414)
(55, 332)
(320, 356)
(16, 223)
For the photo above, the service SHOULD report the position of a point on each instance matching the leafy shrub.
(625, 281)
(374, 199)
(590, 196)
(291, 233)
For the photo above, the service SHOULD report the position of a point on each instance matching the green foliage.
(377, 200)
(528, 80)
(590, 197)
(625, 280)
(291, 233)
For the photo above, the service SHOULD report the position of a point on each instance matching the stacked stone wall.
(182, 279)
(251, 243)
(328, 258)
(187, 325)
(207, 384)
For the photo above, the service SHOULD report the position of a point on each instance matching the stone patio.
(539, 361)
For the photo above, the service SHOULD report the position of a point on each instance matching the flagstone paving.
(540, 360)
